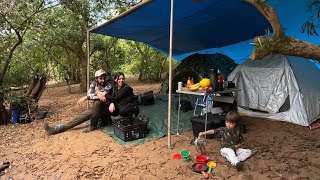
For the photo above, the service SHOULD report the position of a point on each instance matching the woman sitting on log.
(122, 99)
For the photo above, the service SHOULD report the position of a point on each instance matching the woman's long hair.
(117, 75)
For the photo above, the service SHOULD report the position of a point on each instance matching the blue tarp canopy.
(205, 26)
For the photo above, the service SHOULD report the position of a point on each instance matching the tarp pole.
(170, 76)
(88, 61)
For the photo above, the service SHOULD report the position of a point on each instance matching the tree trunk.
(4, 71)
(279, 42)
(4, 115)
(81, 55)
(83, 75)
(105, 64)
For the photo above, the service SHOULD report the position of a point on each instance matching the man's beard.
(102, 83)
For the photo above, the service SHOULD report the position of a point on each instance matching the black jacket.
(121, 97)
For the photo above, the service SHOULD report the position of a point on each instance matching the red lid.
(177, 156)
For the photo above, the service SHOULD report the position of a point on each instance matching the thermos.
(220, 82)
(213, 79)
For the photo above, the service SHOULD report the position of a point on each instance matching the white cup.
(179, 86)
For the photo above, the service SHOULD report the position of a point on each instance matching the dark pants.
(126, 111)
(98, 111)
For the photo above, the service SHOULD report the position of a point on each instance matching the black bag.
(24, 118)
(185, 105)
(145, 97)
(146, 100)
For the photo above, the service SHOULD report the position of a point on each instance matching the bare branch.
(7, 61)
(66, 46)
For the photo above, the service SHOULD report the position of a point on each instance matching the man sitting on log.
(98, 111)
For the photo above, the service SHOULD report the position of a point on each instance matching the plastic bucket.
(15, 115)
(185, 154)
(201, 158)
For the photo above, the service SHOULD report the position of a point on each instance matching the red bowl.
(202, 158)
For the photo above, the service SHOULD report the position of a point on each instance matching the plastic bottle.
(220, 81)
(188, 82)
(192, 81)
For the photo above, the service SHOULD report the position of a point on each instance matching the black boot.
(53, 130)
(89, 129)
(105, 121)
(93, 125)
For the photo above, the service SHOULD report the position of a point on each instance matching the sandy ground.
(284, 150)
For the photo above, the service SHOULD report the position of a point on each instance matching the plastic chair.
(202, 101)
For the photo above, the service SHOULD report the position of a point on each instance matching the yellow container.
(212, 164)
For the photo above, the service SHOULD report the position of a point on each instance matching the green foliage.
(108, 53)
(145, 62)
(16, 18)
(18, 75)
(19, 101)
(55, 42)
(312, 25)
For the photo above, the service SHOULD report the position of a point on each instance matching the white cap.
(99, 73)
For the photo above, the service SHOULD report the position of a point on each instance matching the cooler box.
(214, 121)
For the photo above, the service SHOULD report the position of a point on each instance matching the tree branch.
(37, 10)
(66, 46)
(270, 14)
(7, 61)
(279, 42)
(19, 35)
(287, 45)
(113, 42)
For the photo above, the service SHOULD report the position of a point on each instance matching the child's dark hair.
(233, 117)
(117, 75)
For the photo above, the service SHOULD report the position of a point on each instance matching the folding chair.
(203, 101)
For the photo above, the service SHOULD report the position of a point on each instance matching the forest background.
(48, 38)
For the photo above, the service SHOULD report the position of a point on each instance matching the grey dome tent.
(284, 88)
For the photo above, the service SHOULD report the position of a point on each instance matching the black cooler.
(214, 121)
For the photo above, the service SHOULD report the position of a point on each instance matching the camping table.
(232, 91)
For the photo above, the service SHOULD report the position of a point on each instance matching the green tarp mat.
(158, 118)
